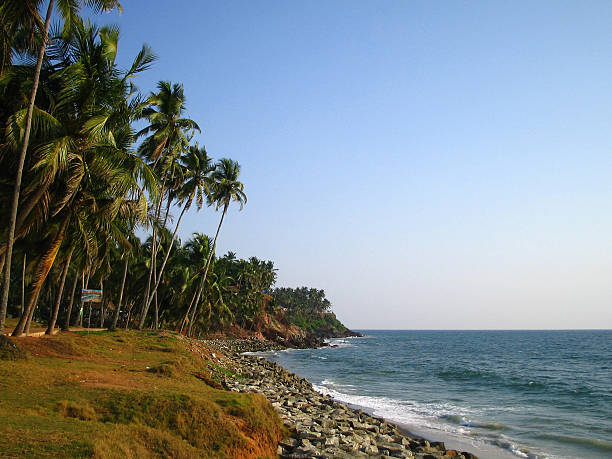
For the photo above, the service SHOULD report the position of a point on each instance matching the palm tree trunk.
(210, 255)
(79, 321)
(195, 293)
(59, 294)
(196, 306)
(42, 271)
(2, 260)
(84, 283)
(143, 314)
(31, 315)
(156, 314)
(102, 306)
(127, 319)
(161, 269)
(23, 272)
(116, 318)
(17, 187)
(66, 326)
(167, 210)
(155, 309)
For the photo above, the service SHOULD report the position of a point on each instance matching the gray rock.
(332, 441)
(324, 428)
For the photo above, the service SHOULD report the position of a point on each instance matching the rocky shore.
(320, 427)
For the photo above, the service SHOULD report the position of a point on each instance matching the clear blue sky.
(429, 164)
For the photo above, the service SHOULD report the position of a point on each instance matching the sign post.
(91, 296)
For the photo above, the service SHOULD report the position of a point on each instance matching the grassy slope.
(324, 325)
(131, 394)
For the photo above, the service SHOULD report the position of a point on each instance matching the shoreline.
(320, 426)
(478, 448)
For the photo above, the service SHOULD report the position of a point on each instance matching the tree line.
(302, 300)
(79, 181)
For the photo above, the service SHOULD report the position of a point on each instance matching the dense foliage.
(308, 309)
(302, 299)
(79, 182)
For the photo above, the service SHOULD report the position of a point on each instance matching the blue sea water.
(535, 394)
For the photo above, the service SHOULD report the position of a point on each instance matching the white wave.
(426, 416)
(505, 443)
(340, 342)
(390, 409)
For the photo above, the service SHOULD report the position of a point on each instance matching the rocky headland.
(319, 426)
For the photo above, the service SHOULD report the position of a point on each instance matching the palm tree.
(66, 325)
(60, 291)
(169, 136)
(19, 22)
(69, 12)
(226, 188)
(198, 248)
(83, 164)
(127, 252)
(196, 173)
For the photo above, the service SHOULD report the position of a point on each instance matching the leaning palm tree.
(197, 168)
(55, 310)
(69, 11)
(128, 251)
(169, 134)
(198, 249)
(226, 188)
(88, 172)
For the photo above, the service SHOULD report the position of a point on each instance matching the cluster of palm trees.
(78, 182)
(304, 300)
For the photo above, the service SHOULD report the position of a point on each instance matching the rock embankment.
(234, 347)
(320, 426)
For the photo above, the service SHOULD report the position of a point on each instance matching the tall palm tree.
(69, 11)
(82, 162)
(197, 168)
(60, 291)
(127, 253)
(169, 134)
(226, 188)
(66, 325)
(198, 248)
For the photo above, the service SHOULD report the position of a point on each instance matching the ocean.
(498, 394)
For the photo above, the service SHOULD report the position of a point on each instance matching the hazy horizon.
(430, 165)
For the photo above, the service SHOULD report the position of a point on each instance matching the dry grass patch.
(9, 350)
(131, 394)
(77, 410)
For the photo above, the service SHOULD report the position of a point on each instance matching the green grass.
(317, 323)
(217, 370)
(132, 394)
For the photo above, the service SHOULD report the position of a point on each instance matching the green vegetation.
(90, 181)
(310, 310)
(78, 182)
(107, 394)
